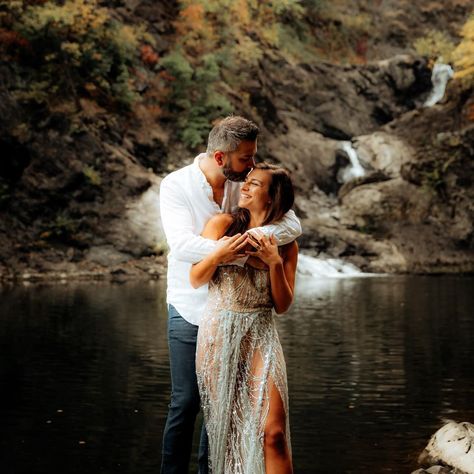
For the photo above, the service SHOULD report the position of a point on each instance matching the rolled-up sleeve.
(285, 230)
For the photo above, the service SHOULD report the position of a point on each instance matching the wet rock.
(340, 102)
(106, 256)
(436, 470)
(139, 230)
(95, 191)
(309, 156)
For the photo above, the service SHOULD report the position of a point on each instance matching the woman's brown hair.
(281, 195)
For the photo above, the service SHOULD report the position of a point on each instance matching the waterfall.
(319, 275)
(325, 267)
(440, 76)
(354, 170)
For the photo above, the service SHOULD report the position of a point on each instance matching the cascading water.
(311, 269)
(318, 275)
(355, 169)
(440, 76)
(330, 267)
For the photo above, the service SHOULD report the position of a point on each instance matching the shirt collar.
(200, 175)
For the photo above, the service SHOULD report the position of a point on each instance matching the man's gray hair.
(227, 134)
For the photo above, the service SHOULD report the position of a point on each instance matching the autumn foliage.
(464, 53)
(72, 49)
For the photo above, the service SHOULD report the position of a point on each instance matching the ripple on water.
(373, 366)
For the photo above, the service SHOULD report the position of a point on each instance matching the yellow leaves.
(435, 45)
(231, 26)
(93, 177)
(464, 53)
(247, 51)
(195, 29)
(72, 49)
(240, 9)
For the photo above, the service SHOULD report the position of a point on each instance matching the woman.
(239, 362)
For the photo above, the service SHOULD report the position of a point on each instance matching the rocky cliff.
(84, 202)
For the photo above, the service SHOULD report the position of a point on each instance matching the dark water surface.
(374, 364)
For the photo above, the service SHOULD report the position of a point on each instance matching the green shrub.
(194, 99)
(73, 48)
(217, 42)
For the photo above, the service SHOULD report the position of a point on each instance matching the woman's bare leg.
(277, 454)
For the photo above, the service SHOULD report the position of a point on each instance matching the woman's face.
(254, 193)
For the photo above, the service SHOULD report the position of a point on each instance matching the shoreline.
(145, 268)
(151, 268)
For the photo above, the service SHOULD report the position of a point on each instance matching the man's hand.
(230, 248)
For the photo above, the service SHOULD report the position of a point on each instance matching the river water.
(374, 365)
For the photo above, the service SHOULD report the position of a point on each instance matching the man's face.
(238, 163)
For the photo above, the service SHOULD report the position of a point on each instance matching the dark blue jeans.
(184, 406)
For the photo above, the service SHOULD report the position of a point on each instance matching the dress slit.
(238, 360)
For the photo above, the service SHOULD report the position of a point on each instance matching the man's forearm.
(191, 248)
(285, 231)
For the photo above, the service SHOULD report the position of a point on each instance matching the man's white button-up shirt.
(186, 204)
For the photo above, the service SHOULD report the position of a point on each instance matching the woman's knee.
(274, 437)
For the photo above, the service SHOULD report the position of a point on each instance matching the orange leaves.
(191, 19)
(470, 112)
(10, 40)
(148, 55)
(241, 11)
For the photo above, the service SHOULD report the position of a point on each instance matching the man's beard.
(232, 175)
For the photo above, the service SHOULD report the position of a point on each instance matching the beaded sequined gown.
(239, 359)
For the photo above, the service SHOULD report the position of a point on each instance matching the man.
(189, 197)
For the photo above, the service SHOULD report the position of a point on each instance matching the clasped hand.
(266, 248)
(229, 249)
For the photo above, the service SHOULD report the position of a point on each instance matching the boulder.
(383, 152)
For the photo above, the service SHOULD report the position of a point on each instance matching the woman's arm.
(282, 279)
(282, 270)
(227, 249)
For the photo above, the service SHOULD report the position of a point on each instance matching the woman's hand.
(230, 248)
(266, 249)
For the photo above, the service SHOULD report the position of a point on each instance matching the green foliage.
(434, 178)
(194, 99)
(435, 45)
(62, 228)
(75, 47)
(220, 41)
(341, 36)
(92, 176)
(4, 192)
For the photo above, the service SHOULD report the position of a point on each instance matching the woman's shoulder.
(222, 217)
(217, 225)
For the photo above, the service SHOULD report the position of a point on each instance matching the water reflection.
(84, 378)
(373, 365)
